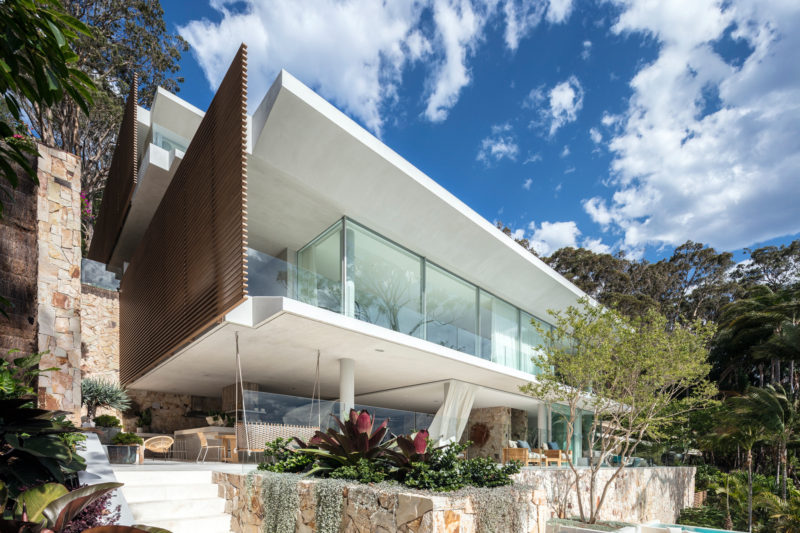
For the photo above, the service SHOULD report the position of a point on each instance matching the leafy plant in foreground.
(18, 375)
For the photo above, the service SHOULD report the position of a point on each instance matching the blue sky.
(628, 125)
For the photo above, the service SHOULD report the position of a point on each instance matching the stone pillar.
(347, 385)
(58, 219)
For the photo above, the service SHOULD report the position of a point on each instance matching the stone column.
(59, 279)
(347, 385)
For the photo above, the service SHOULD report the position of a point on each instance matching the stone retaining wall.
(378, 509)
(636, 495)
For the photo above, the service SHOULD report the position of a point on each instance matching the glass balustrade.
(351, 270)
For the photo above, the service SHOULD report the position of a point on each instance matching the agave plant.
(100, 393)
(354, 441)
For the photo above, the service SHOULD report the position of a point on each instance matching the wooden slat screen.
(191, 268)
(120, 183)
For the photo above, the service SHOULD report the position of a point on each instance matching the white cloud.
(501, 144)
(550, 236)
(587, 50)
(559, 10)
(720, 169)
(566, 99)
(596, 245)
(564, 151)
(355, 52)
(595, 135)
(527, 184)
(532, 158)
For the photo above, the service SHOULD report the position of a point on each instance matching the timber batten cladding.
(120, 184)
(190, 268)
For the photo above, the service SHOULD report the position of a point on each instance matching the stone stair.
(181, 501)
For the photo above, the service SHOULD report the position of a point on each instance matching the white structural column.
(541, 422)
(347, 385)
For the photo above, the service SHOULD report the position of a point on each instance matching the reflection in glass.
(499, 331)
(319, 276)
(530, 342)
(266, 275)
(384, 282)
(560, 418)
(450, 310)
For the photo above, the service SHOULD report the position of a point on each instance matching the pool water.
(697, 529)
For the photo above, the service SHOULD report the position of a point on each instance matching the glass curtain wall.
(319, 276)
(385, 284)
(451, 308)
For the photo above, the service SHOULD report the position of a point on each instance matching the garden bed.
(273, 502)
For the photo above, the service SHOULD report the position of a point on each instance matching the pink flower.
(421, 441)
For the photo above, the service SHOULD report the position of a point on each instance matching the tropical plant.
(784, 513)
(18, 375)
(127, 439)
(32, 451)
(635, 376)
(100, 393)
(279, 457)
(409, 449)
(745, 427)
(355, 440)
(38, 66)
(364, 471)
(47, 508)
(778, 412)
(107, 421)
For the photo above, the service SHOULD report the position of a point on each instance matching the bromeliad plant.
(354, 441)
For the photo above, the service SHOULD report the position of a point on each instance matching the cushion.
(553, 445)
(534, 455)
(512, 444)
(523, 444)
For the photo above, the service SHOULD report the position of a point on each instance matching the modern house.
(342, 271)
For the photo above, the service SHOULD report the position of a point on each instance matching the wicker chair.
(160, 444)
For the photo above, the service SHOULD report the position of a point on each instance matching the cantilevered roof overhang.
(311, 165)
(279, 339)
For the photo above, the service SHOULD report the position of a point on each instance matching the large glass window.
(530, 341)
(451, 310)
(384, 282)
(560, 423)
(319, 275)
(499, 331)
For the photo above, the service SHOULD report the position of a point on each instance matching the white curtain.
(451, 418)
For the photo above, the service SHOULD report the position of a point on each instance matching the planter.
(123, 454)
(106, 434)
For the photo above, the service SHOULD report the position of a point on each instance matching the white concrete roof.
(311, 164)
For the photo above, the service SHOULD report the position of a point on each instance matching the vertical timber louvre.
(120, 184)
(190, 268)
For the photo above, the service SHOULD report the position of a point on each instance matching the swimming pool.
(697, 529)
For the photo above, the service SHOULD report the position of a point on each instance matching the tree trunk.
(784, 461)
(775, 371)
(750, 490)
(791, 376)
(761, 375)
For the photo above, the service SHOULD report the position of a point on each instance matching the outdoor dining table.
(229, 447)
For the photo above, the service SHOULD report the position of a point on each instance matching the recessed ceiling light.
(379, 349)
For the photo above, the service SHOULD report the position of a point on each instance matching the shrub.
(107, 421)
(99, 393)
(279, 457)
(443, 471)
(364, 471)
(483, 472)
(127, 439)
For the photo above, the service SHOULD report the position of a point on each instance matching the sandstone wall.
(378, 509)
(100, 333)
(171, 412)
(503, 423)
(58, 295)
(636, 495)
(18, 261)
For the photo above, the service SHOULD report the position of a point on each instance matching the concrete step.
(219, 523)
(150, 511)
(163, 477)
(145, 493)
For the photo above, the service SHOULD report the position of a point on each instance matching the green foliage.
(49, 507)
(637, 375)
(702, 516)
(365, 471)
(145, 418)
(74, 438)
(483, 472)
(37, 65)
(329, 499)
(279, 457)
(354, 441)
(32, 451)
(128, 439)
(100, 393)
(280, 501)
(18, 375)
(107, 421)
